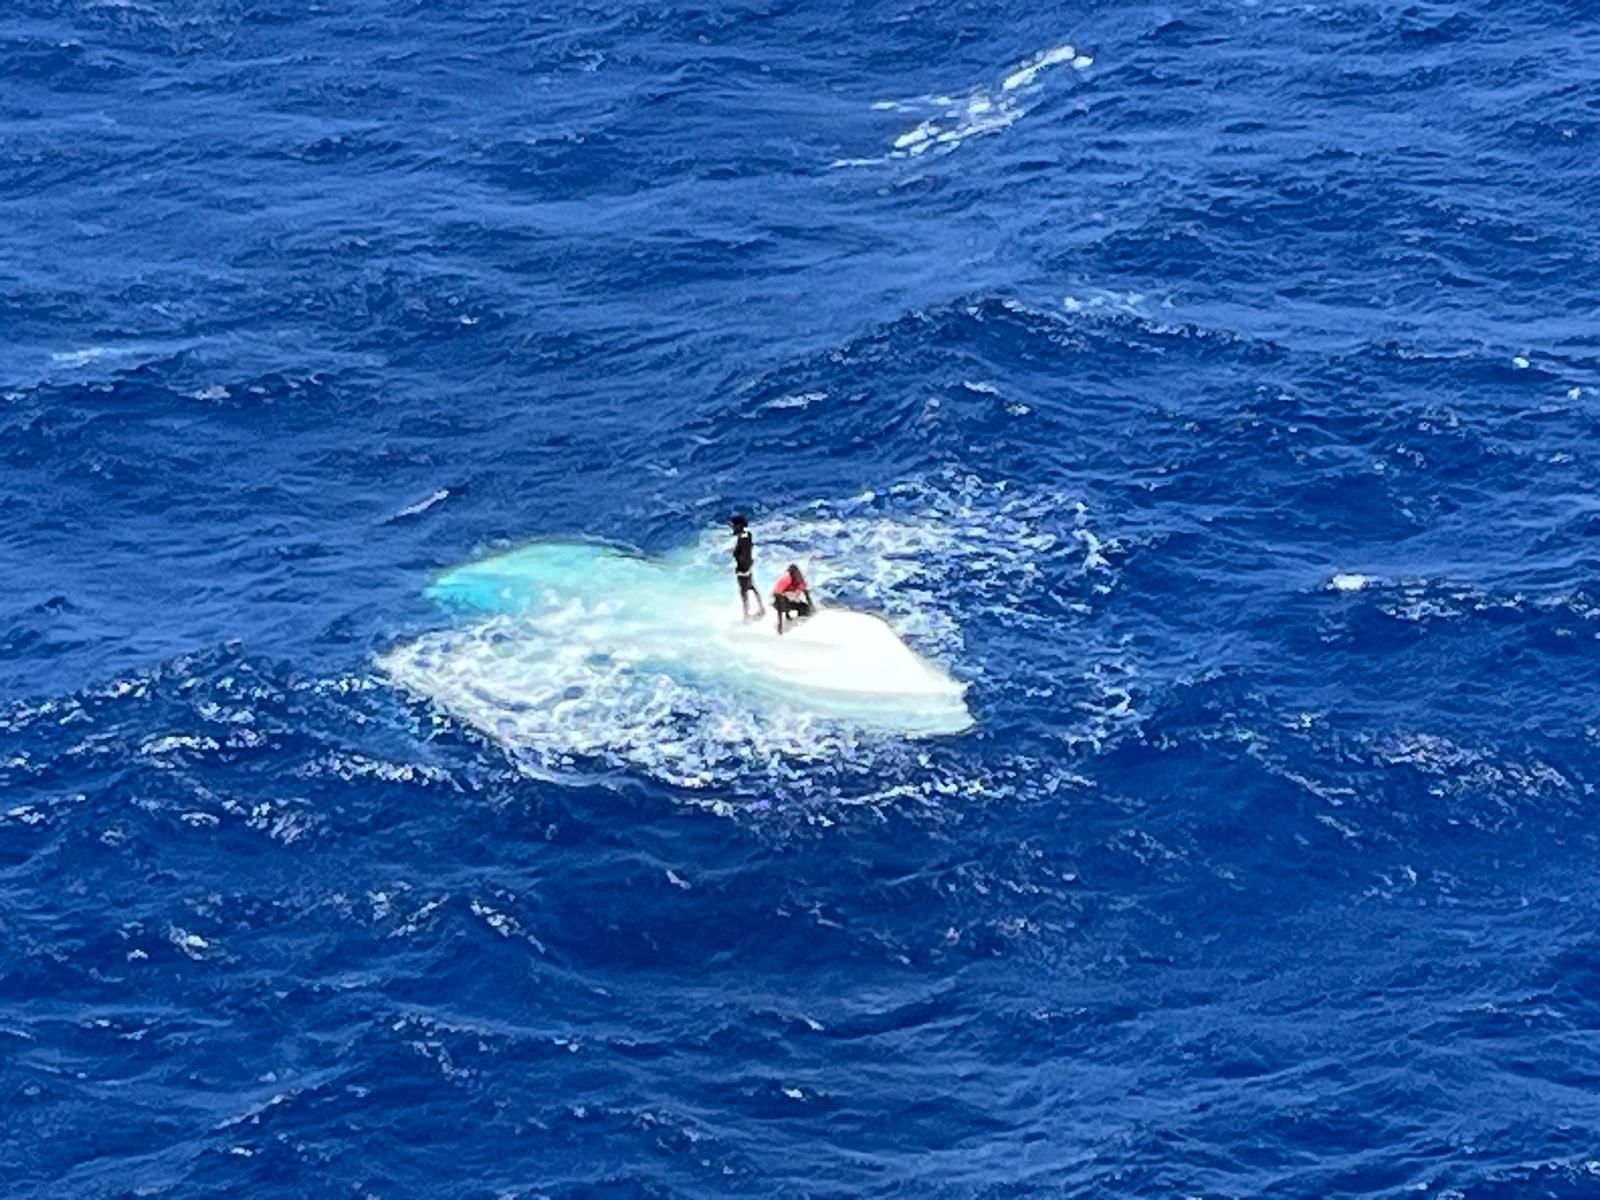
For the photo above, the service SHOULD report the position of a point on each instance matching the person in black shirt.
(744, 565)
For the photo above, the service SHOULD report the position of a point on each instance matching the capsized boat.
(679, 615)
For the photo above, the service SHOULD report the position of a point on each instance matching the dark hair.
(737, 521)
(794, 573)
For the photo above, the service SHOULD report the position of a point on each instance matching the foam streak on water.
(946, 122)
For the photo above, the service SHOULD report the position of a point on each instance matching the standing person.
(744, 565)
(791, 596)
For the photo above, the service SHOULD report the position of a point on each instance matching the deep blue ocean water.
(1218, 397)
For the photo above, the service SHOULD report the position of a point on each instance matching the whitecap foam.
(117, 357)
(79, 358)
(1024, 75)
(421, 506)
(1349, 581)
(1099, 301)
(945, 122)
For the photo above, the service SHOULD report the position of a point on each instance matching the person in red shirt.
(791, 596)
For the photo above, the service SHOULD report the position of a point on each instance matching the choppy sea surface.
(1213, 387)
